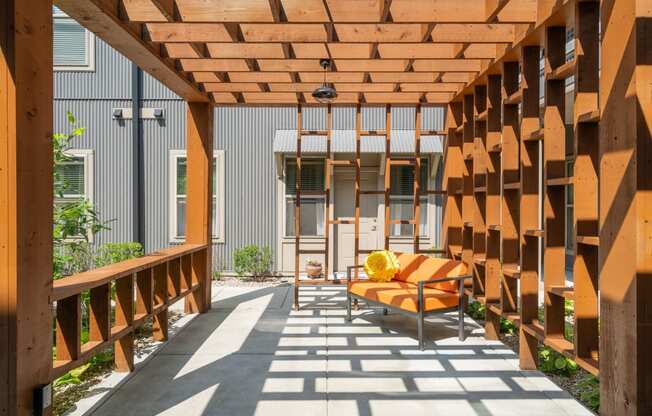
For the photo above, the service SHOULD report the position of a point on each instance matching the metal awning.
(343, 141)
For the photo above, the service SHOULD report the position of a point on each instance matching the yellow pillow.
(381, 266)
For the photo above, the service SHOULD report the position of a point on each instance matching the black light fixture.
(325, 94)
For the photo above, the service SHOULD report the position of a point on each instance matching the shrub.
(550, 361)
(110, 253)
(252, 261)
(476, 310)
(507, 326)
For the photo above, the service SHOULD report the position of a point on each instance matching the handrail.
(78, 283)
(154, 282)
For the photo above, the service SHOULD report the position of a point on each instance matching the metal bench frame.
(421, 314)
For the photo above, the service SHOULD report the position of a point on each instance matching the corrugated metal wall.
(111, 143)
(244, 133)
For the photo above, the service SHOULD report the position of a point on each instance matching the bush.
(552, 362)
(252, 261)
(476, 311)
(111, 253)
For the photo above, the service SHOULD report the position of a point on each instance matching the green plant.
(590, 392)
(217, 275)
(110, 253)
(252, 261)
(74, 220)
(507, 326)
(476, 310)
(550, 361)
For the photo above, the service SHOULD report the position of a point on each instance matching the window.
(77, 175)
(73, 46)
(178, 175)
(401, 200)
(312, 206)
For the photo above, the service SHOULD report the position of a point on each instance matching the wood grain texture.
(25, 201)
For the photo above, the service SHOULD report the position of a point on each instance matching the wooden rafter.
(214, 41)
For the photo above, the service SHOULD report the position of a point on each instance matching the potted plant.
(313, 268)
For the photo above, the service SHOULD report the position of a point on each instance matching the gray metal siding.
(246, 135)
(111, 143)
(111, 79)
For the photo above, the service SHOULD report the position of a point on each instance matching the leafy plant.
(312, 262)
(110, 253)
(507, 326)
(590, 392)
(476, 310)
(74, 220)
(252, 261)
(550, 361)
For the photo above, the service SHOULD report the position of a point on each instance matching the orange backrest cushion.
(416, 267)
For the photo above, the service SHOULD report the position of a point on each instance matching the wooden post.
(417, 180)
(124, 317)
(453, 162)
(492, 264)
(25, 202)
(388, 170)
(529, 207)
(585, 181)
(467, 180)
(479, 201)
(554, 167)
(510, 165)
(626, 208)
(199, 200)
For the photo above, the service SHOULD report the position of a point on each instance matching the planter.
(313, 271)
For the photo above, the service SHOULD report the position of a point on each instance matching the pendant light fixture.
(325, 94)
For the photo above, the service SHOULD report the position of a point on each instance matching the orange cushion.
(404, 295)
(416, 267)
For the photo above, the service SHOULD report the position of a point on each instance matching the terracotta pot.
(313, 271)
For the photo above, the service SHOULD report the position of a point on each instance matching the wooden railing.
(144, 288)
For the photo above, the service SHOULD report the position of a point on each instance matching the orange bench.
(423, 286)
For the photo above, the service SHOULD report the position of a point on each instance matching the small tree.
(74, 221)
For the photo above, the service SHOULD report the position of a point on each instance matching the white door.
(344, 209)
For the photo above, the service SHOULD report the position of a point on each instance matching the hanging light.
(325, 94)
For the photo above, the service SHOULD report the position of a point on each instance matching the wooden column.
(529, 207)
(554, 168)
(492, 263)
(453, 162)
(585, 182)
(510, 218)
(479, 190)
(25, 201)
(467, 179)
(199, 200)
(626, 208)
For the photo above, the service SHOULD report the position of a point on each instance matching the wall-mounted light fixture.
(117, 113)
(126, 113)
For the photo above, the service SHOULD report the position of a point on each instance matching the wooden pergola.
(481, 58)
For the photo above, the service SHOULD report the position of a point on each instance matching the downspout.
(138, 157)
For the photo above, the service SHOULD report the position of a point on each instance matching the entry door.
(344, 209)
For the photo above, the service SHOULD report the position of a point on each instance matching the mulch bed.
(568, 383)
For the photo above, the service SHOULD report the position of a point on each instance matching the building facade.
(139, 183)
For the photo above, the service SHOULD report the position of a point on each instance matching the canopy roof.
(268, 51)
(343, 141)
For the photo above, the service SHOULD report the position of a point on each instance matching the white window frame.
(88, 156)
(218, 155)
(90, 47)
(286, 197)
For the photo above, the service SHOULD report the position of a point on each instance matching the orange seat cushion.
(404, 295)
(416, 267)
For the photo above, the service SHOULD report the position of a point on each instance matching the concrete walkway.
(253, 355)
